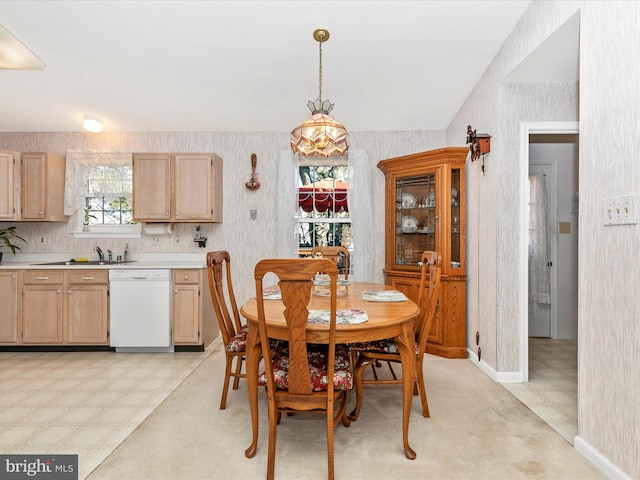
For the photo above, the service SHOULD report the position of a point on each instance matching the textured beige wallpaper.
(606, 103)
(247, 240)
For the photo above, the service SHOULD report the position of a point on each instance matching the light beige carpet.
(477, 430)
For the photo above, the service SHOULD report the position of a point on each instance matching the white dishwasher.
(140, 310)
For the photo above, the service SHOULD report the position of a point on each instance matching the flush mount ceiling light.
(92, 124)
(320, 134)
(14, 55)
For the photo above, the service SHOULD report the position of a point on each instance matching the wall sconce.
(92, 124)
(479, 144)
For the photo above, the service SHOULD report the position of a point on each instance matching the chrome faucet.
(100, 254)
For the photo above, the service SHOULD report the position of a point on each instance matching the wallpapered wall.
(247, 240)
(609, 277)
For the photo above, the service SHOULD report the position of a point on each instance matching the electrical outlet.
(155, 240)
(253, 214)
(43, 241)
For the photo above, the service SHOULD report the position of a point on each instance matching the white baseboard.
(598, 460)
(501, 377)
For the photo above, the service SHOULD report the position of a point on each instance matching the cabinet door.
(87, 314)
(34, 186)
(417, 216)
(7, 186)
(193, 187)
(152, 187)
(42, 309)
(186, 309)
(87, 317)
(8, 306)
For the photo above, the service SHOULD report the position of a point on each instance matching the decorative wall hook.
(253, 183)
(479, 144)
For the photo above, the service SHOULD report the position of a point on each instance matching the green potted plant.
(87, 216)
(8, 236)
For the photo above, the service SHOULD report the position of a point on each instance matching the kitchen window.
(98, 189)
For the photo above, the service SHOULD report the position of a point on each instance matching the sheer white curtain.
(77, 174)
(361, 211)
(287, 238)
(539, 250)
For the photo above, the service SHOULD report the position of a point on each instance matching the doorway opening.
(557, 131)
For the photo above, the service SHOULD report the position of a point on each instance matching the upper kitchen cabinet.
(42, 193)
(177, 187)
(8, 191)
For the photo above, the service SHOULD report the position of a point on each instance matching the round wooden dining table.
(385, 320)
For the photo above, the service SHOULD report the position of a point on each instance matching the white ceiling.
(247, 65)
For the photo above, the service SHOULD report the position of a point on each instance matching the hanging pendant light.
(320, 134)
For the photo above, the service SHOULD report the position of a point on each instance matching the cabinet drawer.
(42, 276)
(186, 276)
(89, 277)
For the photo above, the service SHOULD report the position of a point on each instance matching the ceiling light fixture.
(14, 55)
(92, 124)
(320, 134)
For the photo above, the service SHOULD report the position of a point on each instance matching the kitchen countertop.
(144, 261)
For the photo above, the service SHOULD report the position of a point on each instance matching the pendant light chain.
(320, 73)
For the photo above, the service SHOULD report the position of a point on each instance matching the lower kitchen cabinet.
(87, 313)
(9, 313)
(192, 311)
(42, 307)
(70, 306)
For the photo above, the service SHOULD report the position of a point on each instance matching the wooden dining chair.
(340, 255)
(301, 376)
(233, 333)
(386, 350)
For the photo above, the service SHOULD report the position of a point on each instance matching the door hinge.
(550, 264)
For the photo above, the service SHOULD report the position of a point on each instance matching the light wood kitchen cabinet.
(9, 306)
(425, 210)
(8, 191)
(87, 312)
(193, 320)
(42, 187)
(42, 307)
(177, 187)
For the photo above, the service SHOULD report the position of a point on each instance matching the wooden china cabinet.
(425, 210)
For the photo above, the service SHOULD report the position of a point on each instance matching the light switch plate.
(628, 212)
(608, 212)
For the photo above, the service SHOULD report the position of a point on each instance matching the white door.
(540, 313)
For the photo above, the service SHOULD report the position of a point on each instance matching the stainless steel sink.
(90, 262)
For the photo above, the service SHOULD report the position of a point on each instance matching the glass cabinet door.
(456, 218)
(416, 218)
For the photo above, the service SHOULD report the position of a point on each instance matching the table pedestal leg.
(253, 353)
(406, 348)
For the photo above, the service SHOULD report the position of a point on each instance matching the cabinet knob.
(166, 213)
(41, 214)
(175, 291)
(59, 291)
(186, 277)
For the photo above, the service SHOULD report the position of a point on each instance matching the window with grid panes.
(322, 216)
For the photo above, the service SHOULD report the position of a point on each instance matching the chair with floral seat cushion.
(386, 350)
(233, 333)
(300, 376)
(340, 255)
